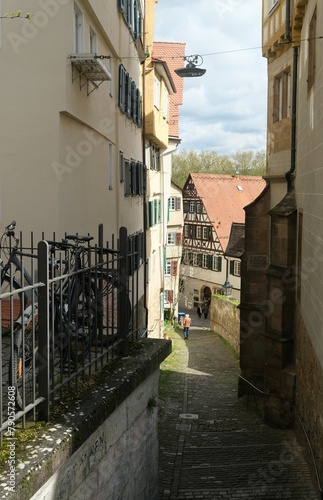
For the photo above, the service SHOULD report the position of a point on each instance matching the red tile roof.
(173, 55)
(224, 198)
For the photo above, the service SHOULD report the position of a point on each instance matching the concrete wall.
(106, 444)
(225, 320)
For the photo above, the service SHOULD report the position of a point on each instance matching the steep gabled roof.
(236, 244)
(224, 198)
(173, 53)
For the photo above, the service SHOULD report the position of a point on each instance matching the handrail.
(300, 421)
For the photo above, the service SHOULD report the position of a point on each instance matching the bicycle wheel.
(83, 321)
(23, 366)
(11, 307)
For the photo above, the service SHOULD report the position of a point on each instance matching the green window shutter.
(121, 95)
(128, 96)
(139, 111)
(121, 5)
(168, 209)
(151, 213)
(199, 260)
(178, 203)
(200, 208)
(231, 267)
(134, 108)
(219, 264)
(127, 178)
(209, 261)
(186, 207)
(144, 171)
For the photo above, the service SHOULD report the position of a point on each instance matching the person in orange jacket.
(186, 324)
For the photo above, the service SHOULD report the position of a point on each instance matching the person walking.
(199, 311)
(186, 324)
(205, 311)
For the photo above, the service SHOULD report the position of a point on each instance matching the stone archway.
(206, 294)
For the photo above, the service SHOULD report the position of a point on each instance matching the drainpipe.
(288, 23)
(144, 165)
(289, 174)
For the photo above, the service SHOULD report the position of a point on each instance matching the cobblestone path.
(211, 445)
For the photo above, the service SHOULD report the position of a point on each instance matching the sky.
(224, 110)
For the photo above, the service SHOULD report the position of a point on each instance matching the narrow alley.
(213, 445)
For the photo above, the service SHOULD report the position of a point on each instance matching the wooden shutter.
(134, 107)
(127, 176)
(232, 267)
(121, 95)
(170, 296)
(128, 94)
(186, 207)
(178, 203)
(139, 108)
(174, 267)
(178, 239)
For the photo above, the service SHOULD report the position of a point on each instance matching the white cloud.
(226, 108)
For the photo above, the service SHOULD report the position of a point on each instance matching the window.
(121, 166)
(282, 96)
(217, 263)
(199, 208)
(127, 178)
(154, 157)
(206, 233)
(78, 29)
(129, 98)
(171, 267)
(171, 238)
(198, 232)
(168, 296)
(93, 42)
(192, 207)
(174, 203)
(271, 4)
(165, 103)
(205, 261)
(153, 213)
(235, 267)
(132, 16)
(186, 231)
(195, 259)
(136, 251)
(311, 52)
(157, 93)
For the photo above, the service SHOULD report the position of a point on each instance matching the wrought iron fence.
(67, 309)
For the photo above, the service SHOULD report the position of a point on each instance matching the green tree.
(240, 163)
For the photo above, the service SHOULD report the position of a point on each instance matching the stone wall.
(106, 444)
(309, 394)
(225, 320)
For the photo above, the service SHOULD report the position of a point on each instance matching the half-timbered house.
(212, 204)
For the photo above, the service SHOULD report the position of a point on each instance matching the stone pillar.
(254, 263)
(279, 374)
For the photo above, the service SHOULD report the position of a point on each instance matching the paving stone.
(223, 448)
